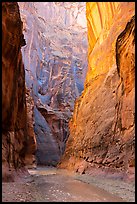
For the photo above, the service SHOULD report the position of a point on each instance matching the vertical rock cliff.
(55, 60)
(15, 133)
(102, 126)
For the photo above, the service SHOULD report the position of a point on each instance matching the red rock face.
(14, 113)
(124, 126)
(55, 63)
(30, 159)
(102, 126)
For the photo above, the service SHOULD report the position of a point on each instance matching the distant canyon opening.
(55, 62)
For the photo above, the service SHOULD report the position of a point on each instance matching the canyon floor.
(46, 184)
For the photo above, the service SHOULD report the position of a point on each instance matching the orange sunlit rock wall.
(102, 126)
(18, 138)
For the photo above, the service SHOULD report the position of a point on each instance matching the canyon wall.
(55, 60)
(18, 143)
(102, 127)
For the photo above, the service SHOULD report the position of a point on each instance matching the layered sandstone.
(102, 126)
(55, 60)
(15, 134)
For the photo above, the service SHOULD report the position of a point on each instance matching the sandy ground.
(57, 185)
(122, 189)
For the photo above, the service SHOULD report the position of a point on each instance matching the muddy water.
(54, 185)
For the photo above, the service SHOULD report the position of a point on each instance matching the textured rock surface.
(55, 63)
(15, 134)
(124, 125)
(30, 158)
(102, 126)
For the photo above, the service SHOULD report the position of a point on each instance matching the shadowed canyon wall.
(18, 138)
(102, 127)
(55, 60)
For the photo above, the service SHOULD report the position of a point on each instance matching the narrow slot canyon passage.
(68, 102)
(55, 61)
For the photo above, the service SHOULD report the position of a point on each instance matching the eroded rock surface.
(102, 126)
(15, 134)
(30, 158)
(55, 60)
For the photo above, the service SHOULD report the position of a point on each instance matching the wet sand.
(57, 185)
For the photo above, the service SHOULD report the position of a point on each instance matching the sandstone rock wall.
(30, 157)
(102, 126)
(55, 60)
(15, 135)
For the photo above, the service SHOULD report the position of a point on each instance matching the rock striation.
(15, 133)
(55, 60)
(102, 127)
